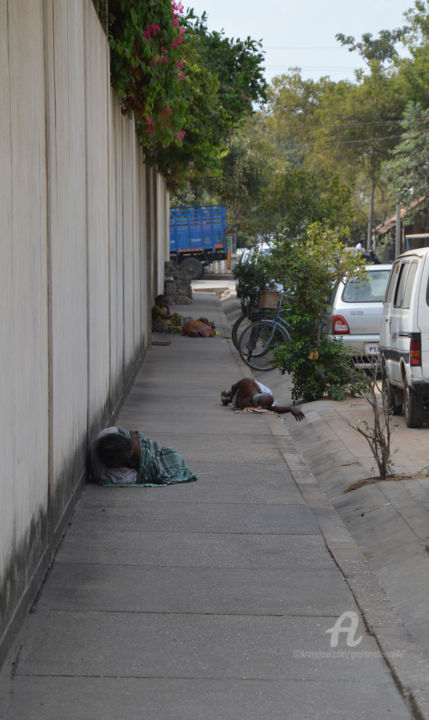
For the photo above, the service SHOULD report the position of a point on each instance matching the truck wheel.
(413, 409)
(390, 396)
(192, 268)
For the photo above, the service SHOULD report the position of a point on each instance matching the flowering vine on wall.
(147, 68)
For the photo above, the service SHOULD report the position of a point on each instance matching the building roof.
(390, 223)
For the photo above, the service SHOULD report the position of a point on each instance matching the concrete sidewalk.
(211, 600)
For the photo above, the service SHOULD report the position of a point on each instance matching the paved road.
(211, 600)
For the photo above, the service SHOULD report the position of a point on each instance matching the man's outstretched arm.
(281, 409)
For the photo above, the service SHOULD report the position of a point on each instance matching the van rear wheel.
(413, 409)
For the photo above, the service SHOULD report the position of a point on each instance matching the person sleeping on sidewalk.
(122, 458)
(252, 395)
(165, 321)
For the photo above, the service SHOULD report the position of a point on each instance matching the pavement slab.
(198, 517)
(194, 699)
(195, 549)
(201, 645)
(235, 591)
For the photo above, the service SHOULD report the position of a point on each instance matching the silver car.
(355, 314)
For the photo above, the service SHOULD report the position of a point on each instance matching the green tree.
(413, 70)
(187, 87)
(381, 49)
(409, 167)
(297, 198)
(359, 126)
(223, 78)
(309, 269)
(290, 115)
(145, 40)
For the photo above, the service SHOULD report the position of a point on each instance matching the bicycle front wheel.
(259, 341)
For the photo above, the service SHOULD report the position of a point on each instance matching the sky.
(301, 33)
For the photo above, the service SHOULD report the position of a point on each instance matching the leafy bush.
(309, 267)
(325, 371)
(146, 67)
(253, 273)
(186, 87)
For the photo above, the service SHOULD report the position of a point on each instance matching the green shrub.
(251, 274)
(308, 268)
(317, 372)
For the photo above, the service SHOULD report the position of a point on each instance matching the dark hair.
(114, 450)
(159, 297)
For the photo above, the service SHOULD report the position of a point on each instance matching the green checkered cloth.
(159, 465)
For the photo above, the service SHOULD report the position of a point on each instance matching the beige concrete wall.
(23, 303)
(79, 268)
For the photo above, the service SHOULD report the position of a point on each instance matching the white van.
(404, 336)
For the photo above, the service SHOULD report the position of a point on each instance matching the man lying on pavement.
(247, 393)
(126, 457)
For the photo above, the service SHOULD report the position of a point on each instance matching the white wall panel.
(67, 243)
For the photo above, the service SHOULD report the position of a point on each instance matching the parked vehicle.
(197, 237)
(356, 307)
(404, 336)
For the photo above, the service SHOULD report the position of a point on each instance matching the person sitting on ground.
(163, 320)
(247, 393)
(126, 457)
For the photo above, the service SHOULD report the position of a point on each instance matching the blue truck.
(197, 237)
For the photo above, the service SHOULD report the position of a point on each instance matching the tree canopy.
(187, 87)
(279, 156)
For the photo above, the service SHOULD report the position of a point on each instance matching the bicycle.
(258, 342)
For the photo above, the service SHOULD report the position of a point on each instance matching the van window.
(400, 285)
(391, 285)
(409, 284)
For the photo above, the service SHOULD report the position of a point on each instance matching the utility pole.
(398, 225)
(370, 216)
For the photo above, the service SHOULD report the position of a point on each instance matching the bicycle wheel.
(259, 341)
(238, 328)
(243, 322)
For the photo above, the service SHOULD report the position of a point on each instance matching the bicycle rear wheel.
(259, 341)
(238, 327)
(251, 315)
